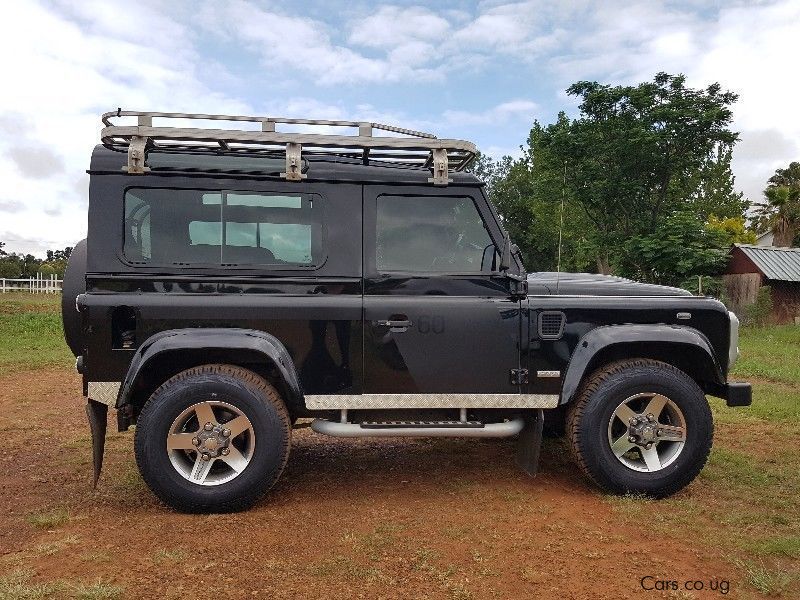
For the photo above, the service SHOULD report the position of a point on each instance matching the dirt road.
(348, 519)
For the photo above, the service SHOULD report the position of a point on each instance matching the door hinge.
(519, 376)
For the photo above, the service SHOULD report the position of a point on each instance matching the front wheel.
(212, 438)
(640, 427)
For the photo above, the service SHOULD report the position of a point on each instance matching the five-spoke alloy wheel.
(211, 442)
(212, 438)
(640, 427)
(647, 432)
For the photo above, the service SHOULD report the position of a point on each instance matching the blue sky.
(477, 70)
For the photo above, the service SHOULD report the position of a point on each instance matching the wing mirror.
(505, 256)
(519, 283)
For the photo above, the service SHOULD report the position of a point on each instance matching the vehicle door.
(438, 318)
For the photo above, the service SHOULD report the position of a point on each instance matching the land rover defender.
(236, 279)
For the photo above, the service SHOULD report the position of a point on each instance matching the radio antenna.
(561, 226)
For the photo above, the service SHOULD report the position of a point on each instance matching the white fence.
(41, 284)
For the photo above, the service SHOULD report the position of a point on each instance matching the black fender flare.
(602, 338)
(256, 343)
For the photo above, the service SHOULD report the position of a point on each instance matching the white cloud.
(523, 110)
(397, 26)
(67, 66)
(747, 47)
(69, 61)
(288, 44)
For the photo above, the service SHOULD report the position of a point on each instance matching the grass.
(19, 585)
(768, 581)
(50, 518)
(770, 353)
(31, 334)
(341, 566)
(745, 499)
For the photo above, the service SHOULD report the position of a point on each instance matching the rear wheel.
(213, 438)
(640, 427)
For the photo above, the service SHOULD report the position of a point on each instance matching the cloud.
(287, 43)
(744, 47)
(11, 206)
(398, 26)
(515, 109)
(36, 162)
(483, 72)
(27, 245)
(76, 60)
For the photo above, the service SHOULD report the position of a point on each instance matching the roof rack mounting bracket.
(440, 167)
(136, 156)
(294, 163)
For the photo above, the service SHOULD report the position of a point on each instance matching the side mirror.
(505, 256)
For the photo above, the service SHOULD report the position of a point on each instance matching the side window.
(222, 228)
(432, 234)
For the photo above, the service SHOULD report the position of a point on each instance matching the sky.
(482, 71)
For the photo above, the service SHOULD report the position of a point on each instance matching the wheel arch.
(167, 353)
(685, 348)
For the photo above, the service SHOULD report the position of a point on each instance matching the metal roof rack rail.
(410, 147)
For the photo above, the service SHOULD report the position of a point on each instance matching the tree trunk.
(602, 264)
(782, 234)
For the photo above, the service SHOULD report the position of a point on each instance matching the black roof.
(323, 167)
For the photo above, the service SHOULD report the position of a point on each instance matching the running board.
(419, 428)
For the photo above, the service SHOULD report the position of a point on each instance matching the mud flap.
(97, 413)
(529, 443)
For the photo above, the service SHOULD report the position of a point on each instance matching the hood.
(589, 284)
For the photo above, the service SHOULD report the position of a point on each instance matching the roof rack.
(409, 147)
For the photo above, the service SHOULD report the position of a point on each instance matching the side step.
(419, 428)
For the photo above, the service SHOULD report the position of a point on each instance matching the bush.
(759, 312)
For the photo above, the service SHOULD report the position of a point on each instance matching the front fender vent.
(551, 324)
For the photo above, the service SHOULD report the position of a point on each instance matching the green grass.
(31, 335)
(48, 519)
(745, 500)
(770, 353)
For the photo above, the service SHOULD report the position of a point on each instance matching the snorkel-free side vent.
(551, 324)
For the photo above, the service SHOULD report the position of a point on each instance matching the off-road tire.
(245, 390)
(590, 412)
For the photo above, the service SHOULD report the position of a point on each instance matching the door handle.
(395, 326)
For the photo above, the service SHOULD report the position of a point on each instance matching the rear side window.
(201, 227)
(431, 234)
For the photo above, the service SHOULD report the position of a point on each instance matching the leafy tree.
(780, 212)
(732, 230)
(682, 247)
(711, 187)
(641, 165)
(22, 266)
(638, 153)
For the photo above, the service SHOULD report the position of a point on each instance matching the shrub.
(759, 312)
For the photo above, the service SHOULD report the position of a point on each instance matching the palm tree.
(781, 210)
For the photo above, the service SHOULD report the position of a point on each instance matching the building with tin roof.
(751, 266)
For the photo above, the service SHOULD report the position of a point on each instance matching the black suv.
(235, 280)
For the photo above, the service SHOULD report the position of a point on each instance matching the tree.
(640, 163)
(780, 212)
(639, 153)
(732, 230)
(2, 251)
(681, 248)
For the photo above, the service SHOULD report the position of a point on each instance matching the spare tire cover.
(73, 285)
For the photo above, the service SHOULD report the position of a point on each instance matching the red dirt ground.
(348, 519)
